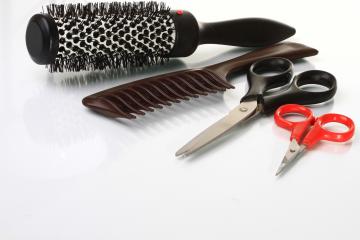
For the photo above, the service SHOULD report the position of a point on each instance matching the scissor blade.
(239, 114)
(292, 153)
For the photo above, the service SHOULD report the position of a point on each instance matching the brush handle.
(246, 32)
(288, 50)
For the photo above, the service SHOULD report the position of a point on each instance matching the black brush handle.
(246, 32)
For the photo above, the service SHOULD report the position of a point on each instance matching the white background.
(67, 173)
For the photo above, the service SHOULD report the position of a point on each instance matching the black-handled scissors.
(262, 76)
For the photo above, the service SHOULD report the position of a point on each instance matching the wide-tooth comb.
(137, 97)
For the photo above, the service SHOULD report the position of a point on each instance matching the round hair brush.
(98, 36)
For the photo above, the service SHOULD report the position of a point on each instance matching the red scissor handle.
(297, 128)
(318, 133)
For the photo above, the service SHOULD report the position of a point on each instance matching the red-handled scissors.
(305, 134)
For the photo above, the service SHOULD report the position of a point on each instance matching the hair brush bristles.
(107, 9)
(98, 36)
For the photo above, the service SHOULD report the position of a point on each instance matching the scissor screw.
(292, 150)
(243, 109)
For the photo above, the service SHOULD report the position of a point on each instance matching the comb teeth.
(125, 101)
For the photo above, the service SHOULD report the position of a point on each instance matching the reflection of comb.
(143, 95)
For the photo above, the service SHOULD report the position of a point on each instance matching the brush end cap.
(42, 39)
(187, 34)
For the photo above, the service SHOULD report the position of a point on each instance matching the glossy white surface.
(67, 173)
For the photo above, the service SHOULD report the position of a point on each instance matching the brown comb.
(147, 94)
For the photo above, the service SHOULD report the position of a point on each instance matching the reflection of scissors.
(258, 101)
(302, 138)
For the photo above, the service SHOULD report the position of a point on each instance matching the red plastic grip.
(297, 128)
(318, 133)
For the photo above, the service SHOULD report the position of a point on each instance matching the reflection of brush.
(144, 95)
(78, 37)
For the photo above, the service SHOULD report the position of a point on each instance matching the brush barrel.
(42, 39)
(101, 41)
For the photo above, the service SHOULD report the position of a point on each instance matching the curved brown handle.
(288, 50)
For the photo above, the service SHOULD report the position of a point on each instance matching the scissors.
(305, 134)
(262, 76)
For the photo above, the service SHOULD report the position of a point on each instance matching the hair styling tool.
(256, 101)
(307, 133)
(143, 95)
(99, 36)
